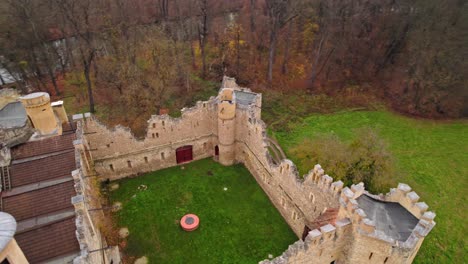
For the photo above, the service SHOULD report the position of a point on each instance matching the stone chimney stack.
(41, 114)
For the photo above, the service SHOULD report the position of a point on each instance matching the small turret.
(41, 114)
(226, 126)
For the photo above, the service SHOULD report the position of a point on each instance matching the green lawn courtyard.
(238, 223)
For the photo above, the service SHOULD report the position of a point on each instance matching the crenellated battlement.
(317, 245)
(408, 199)
(350, 207)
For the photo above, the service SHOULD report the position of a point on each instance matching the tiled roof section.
(328, 217)
(68, 127)
(41, 201)
(48, 168)
(49, 241)
(45, 146)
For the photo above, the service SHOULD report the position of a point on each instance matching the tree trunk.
(59, 56)
(203, 33)
(271, 55)
(252, 16)
(164, 9)
(53, 79)
(50, 71)
(37, 70)
(69, 59)
(87, 64)
(314, 72)
(90, 88)
(284, 66)
(202, 50)
(190, 40)
(238, 52)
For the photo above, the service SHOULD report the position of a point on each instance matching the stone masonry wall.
(117, 153)
(320, 246)
(93, 247)
(360, 242)
(299, 201)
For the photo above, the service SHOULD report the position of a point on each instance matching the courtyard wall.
(241, 136)
(89, 209)
(117, 153)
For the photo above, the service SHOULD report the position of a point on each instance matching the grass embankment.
(432, 157)
(239, 225)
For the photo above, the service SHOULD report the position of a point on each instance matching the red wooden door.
(184, 154)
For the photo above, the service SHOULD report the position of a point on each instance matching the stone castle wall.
(353, 238)
(240, 134)
(93, 246)
(117, 153)
(298, 201)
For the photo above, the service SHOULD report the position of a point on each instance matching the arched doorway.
(184, 154)
(216, 150)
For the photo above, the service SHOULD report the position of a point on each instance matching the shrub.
(365, 159)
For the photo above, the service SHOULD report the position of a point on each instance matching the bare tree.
(203, 31)
(32, 31)
(252, 15)
(78, 15)
(163, 6)
(280, 12)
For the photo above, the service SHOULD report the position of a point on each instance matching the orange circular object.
(189, 222)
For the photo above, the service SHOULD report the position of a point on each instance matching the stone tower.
(41, 114)
(226, 126)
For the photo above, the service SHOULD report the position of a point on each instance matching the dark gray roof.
(390, 218)
(13, 115)
(245, 98)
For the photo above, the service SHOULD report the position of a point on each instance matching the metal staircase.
(5, 178)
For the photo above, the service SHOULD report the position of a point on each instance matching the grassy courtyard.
(431, 156)
(237, 225)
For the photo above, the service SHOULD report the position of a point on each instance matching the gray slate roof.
(244, 98)
(390, 218)
(13, 115)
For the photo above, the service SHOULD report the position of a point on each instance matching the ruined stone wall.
(299, 201)
(89, 216)
(117, 153)
(353, 238)
(369, 244)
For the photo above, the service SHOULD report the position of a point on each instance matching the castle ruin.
(333, 223)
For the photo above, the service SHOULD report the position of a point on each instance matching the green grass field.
(432, 157)
(239, 225)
